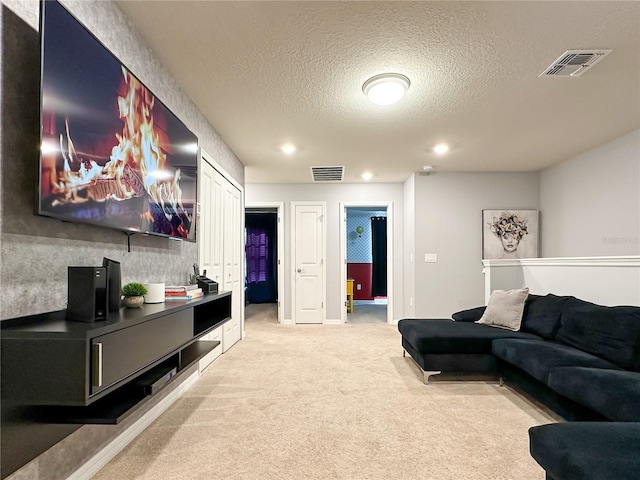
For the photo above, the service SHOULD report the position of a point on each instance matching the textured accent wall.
(36, 251)
(359, 246)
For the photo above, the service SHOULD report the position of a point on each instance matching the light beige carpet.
(367, 313)
(332, 402)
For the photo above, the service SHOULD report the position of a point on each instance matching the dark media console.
(60, 372)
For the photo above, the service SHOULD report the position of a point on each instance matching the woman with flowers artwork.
(510, 234)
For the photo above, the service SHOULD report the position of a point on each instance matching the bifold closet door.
(220, 236)
(233, 245)
(210, 222)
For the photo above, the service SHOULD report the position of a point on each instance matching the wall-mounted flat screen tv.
(112, 153)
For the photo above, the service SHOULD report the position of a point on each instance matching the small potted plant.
(134, 294)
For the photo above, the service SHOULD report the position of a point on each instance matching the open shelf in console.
(195, 351)
(120, 404)
(208, 315)
(109, 410)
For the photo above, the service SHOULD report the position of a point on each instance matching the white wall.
(448, 222)
(591, 203)
(409, 191)
(333, 194)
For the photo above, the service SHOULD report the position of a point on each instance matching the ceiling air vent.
(574, 63)
(327, 174)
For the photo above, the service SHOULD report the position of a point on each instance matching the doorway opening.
(367, 262)
(263, 249)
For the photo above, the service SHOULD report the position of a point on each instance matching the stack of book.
(182, 292)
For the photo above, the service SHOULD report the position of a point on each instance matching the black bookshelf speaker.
(114, 285)
(87, 294)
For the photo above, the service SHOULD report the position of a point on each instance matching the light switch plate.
(430, 257)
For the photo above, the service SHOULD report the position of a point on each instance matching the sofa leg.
(501, 381)
(426, 375)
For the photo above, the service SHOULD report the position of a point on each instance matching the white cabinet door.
(231, 333)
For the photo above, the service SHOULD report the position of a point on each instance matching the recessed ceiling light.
(441, 148)
(367, 176)
(386, 88)
(288, 148)
(427, 168)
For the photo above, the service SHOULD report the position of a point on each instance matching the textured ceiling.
(265, 73)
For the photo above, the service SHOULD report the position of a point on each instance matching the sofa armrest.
(470, 315)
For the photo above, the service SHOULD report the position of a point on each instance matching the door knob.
(298, 270)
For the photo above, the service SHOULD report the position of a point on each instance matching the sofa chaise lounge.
(580, 359)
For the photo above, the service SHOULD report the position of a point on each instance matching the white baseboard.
(105, 455)
(333, 321)
(287, 321)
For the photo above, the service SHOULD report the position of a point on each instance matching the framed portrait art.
(509, 233)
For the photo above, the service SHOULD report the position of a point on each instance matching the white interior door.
(232, 245)
(308, 262)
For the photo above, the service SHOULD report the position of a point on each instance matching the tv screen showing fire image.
(112, 154)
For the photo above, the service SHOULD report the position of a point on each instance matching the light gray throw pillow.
(505, 309)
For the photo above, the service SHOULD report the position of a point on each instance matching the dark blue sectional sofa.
(580, 359)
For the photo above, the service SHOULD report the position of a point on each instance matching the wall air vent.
(574, 63)
(327, 174)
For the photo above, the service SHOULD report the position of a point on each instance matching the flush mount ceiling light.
(288, 148)
(441, 148)
(386, 88)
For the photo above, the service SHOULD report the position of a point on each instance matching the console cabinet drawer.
(231, 333)
(120, 354)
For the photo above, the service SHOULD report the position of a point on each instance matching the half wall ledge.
(582, 277)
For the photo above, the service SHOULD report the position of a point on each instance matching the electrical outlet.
(358, 286)
(430, 257)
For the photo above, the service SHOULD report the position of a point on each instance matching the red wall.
(361, 273)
